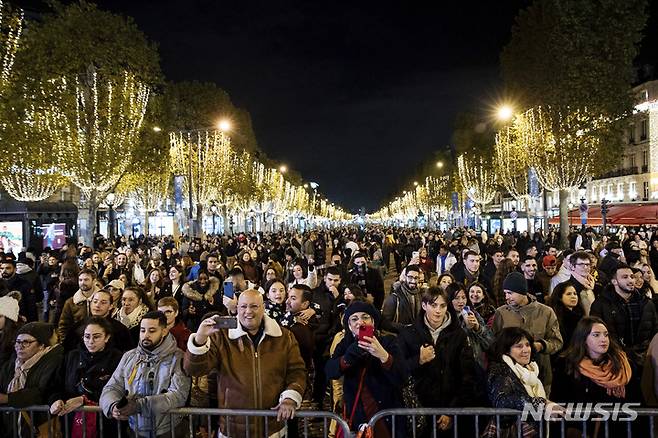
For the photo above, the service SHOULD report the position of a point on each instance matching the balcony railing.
(620, 172)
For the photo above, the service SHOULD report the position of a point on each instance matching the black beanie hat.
(361, 306)
(516, 282)
(41, 331)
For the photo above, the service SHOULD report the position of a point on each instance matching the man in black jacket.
(370, 280)
(630, 316)
(325, 296)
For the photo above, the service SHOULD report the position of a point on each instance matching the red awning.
(618, 214)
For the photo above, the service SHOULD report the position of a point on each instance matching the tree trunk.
(527, 216)
(546, 207)
(146, 222)
(92, 209)
(564, 219)
(198, 226)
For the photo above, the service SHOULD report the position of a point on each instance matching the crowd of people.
(275, 320)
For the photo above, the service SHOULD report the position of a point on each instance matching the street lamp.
(439, 164)
(505, 113)
(224, 125)
(283, 168)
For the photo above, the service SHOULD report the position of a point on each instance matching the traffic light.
(604, 206)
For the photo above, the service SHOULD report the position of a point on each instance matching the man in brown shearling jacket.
(258, 363)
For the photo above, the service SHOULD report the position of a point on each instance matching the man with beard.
(28, 303)
(629, 316)
(549, 265)
(403, 304)
(76, 308)
(370, 280)
(117, 268)
(529, 269)
(148, 382)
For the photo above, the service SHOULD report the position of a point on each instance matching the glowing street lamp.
(224, 125)
(505, 113)
(283, 168)
(439, 164)
(157, 129)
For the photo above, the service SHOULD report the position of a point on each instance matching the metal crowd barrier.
(406, 422)
(203, 415)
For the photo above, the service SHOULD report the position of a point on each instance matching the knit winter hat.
(9, 308)
(515, 282)
(361, 306)
(41, 331)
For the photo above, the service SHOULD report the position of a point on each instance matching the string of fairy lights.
(83, 129)
(232, 178)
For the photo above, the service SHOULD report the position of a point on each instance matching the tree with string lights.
(511, 163)
(574, 59)
(478, 178)
(562, 147)
(91, 73)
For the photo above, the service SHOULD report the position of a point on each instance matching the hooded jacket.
(448, 380)
(541, 322)
(157, 381)
(250, 376)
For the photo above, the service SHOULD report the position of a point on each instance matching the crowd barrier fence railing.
(472, 422)
(205, 417)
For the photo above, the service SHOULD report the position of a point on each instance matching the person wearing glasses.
(403, 304)
(30, 377)
(86, 370)
(584, 278)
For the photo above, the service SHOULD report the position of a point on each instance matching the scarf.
(615, 385)
(133, 319)
(22, 368)
(528, 375)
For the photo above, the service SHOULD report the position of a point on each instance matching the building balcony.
(621, 172)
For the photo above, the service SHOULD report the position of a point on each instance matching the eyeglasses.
(25, 343)
(364, 318)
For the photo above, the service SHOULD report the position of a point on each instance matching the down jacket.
(250, 376)
(158, 384)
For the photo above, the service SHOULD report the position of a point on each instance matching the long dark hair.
(453, 289)
(577, 350)
(558, 305)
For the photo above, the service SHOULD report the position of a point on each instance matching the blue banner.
(455, 201)
(533, 183)
(178, 190)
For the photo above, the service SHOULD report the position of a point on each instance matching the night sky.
(354, 95)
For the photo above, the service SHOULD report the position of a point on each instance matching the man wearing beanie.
(523, 310)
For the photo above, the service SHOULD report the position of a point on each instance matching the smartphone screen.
(226, 322)
(228, 289)
(366, 330)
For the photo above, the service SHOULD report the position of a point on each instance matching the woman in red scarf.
(594, 369)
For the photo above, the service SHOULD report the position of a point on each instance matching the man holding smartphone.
(257, 345)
